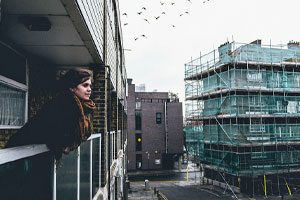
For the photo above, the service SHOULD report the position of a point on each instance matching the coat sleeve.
(56, 125)
(61, 125)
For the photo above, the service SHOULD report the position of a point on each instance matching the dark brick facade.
(159, 140)
(100, 114)
(174, 128)
(99, 97)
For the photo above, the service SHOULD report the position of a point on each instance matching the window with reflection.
(13, 88)
(158, 118)
(138, 121)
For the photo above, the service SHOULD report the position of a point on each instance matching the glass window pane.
(138, 105)
(29, 178)
(158, 118)
(85, 170)
(12, 106)
(139, 161)
(66, 177)
(138, 121)
(96, 165)
(138, 142)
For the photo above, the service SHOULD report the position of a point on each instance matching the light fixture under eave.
(35, 23)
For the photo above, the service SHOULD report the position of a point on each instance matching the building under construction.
(242, 112)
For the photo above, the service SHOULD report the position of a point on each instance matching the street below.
(174, 185)
(185, 184)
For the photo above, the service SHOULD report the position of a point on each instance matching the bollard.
(147, 185)
(155, 190)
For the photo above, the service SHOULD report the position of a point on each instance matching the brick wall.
(121, 121)
(114, 119)
(114, 114)
(175, 128)
(153, 134)
(4, 136)
(100, 114)
(131, 153)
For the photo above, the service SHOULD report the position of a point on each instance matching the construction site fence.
(248, 159)
(251, 162)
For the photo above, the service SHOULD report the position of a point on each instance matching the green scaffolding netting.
(256, 85)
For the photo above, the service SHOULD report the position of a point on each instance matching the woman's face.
(83, 90)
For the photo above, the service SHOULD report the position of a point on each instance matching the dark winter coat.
(56, 125)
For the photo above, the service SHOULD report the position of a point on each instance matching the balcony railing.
(30, 172)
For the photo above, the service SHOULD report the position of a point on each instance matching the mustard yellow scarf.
(85, 125)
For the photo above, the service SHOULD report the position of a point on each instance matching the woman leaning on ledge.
(63, 123)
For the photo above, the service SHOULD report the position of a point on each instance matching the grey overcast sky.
(157, 59)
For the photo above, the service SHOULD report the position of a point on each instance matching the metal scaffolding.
(243, 114)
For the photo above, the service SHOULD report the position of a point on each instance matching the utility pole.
(148, 157)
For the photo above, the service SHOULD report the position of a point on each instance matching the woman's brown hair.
(74, 77)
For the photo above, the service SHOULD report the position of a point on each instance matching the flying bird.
(163, 13)
(125, 14)
(180, 15)
(162, 3)
(136, 38)
(186, 12)
(173, 25)
(189, 1)
(147, 20)
(143, 8)
(139, 13)
(144, 36)
(125, 24)
(157, 17)
(172, 3)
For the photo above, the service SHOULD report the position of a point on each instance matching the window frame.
(139, 161)
(257, 123)
(156, 118)
(138, 145)
(138, 120)
(16, 85)
(138, 105)
(19, 86)
(254, 76)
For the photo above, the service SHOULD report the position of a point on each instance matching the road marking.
(210, 192)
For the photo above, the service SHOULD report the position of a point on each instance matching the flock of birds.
(157, 17)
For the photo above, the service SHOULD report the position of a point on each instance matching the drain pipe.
(109, 89)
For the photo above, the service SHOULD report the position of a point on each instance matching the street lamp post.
(148, 157)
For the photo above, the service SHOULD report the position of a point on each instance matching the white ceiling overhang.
(67, 42)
